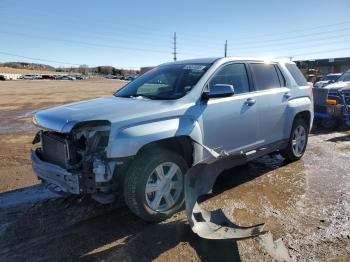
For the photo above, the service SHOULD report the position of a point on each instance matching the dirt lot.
(306, 203)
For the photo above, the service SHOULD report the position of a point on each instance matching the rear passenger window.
(296, 74)
(265, 76)
(232, 74)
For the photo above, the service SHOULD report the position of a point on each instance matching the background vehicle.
(332, 103)
(28, 77)
(142, 140)
(330, 78)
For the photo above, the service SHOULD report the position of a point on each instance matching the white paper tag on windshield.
(194, 67)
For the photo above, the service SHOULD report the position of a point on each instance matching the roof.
(214, 59)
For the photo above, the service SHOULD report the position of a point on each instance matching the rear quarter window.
(265, 76)
(296, 74)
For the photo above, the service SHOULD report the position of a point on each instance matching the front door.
(231, 123)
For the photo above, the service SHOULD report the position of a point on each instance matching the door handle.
(287, 95)
(250, 102)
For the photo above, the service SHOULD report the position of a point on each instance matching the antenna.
(175, 52)
(225, 48)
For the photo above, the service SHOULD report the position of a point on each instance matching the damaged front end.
(75, 162)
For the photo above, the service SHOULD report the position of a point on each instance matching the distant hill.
(23, 67)
(28, 66)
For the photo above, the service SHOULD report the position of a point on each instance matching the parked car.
(2, 78)
(142, 140)
(28, 77)
(332, 103)
(328, 79)
(48, 77)
(129, 78)
(79, 77)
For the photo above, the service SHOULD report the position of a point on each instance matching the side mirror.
(219, 90)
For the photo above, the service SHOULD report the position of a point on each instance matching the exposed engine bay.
(78, 159)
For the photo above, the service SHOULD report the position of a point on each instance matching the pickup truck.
(141, 141)
(332, 103)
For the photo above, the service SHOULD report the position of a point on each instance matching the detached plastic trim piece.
(199, 181)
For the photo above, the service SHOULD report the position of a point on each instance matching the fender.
(129, 140)
(294, 107)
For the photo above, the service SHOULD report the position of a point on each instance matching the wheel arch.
(304, 115)
(182, 145)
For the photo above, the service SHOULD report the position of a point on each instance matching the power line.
(302, 45)
(296, 31)
(84, 42)
(257, 43)
(316, 52)
(92, 44)
(152, 31)
(39, 59)
(55, 61)
(147, 30)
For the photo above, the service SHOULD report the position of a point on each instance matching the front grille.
(55, 149)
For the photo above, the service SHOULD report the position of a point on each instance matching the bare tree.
(83, 69)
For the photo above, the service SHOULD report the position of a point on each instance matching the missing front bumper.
(66, 181)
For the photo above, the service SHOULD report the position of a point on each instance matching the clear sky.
(138, 33)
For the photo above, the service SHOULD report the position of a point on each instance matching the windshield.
(344, 77)
(330, 77)
(166, 82)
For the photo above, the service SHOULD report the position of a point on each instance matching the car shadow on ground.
(149, 241)
(345, 138)
(118, 235)
(319, 130)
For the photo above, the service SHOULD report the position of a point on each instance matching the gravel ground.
(306, 203)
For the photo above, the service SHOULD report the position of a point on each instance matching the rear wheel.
(153, 186)
(297, 141)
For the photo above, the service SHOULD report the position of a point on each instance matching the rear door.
(272, 98)
(231, 123)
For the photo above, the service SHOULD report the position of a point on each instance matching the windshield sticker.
(194, 67)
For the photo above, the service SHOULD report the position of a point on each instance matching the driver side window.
(232, 74)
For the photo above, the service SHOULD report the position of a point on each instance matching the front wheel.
(154, 184)
(297, 141)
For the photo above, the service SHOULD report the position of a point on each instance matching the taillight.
(331, 102)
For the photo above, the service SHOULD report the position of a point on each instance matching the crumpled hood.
(339, 85)
(63, 118)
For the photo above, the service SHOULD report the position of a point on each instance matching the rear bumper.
(341, 113)
(68, 182)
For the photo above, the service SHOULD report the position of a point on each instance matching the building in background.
(325, 66)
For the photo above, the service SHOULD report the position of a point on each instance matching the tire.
(144, 173)
(292, 154)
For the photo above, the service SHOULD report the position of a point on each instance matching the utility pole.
(225, 48)
(175, 52)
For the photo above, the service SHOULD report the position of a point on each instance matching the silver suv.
(142, 140)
